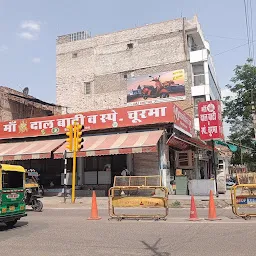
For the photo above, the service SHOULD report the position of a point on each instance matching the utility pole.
(241, 152)
(253, 112)
(214, 168)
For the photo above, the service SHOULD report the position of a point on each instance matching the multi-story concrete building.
(92, 72)
(205, 85)
(168, 61)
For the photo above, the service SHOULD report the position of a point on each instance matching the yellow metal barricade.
(243, 199)
(154, 180)
(148, 201)
(246, 178)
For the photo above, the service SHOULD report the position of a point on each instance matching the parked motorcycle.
(31, 198)
(33, 190)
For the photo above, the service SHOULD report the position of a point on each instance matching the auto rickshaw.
(33, 191)
(12, 193)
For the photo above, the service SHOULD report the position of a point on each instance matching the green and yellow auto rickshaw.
(12, 191)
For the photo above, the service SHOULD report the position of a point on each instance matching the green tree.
(238, 110)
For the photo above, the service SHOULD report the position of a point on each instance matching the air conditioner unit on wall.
(184, 159)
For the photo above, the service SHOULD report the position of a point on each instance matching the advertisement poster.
(154, 88)
(210, 120)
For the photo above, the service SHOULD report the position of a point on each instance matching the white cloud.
(28, 35)
(225, 92)
(3, 48)
(31, 25)
(36, 60)
(30, 29)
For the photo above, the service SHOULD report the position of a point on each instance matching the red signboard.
(98, 120)
(210, 120)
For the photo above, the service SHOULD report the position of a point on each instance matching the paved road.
(67, 232)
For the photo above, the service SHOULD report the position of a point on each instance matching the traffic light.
(79, 140)
(70, 138)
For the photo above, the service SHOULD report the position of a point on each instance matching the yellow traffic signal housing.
(69, 140)
(79, 140)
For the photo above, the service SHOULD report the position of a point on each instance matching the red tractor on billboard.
(159, 90)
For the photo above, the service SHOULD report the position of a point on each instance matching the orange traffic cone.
(212, 209)
(193, 212)
(94, 210)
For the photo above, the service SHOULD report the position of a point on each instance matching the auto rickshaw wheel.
(145, 97)
(247, 217)
(164, 95)
(37, 206)
(10, 224)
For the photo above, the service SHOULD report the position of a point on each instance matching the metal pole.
(74, 165)
(74, 179)
(65, 175)
(241, 153)
(196, 157)
(253, 112)
(214, 168)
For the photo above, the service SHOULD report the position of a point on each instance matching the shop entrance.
(98, 171)
(101, 170)
(50, 170)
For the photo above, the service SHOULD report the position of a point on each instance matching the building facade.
(143, 139)
(205, 85)
(93, 72)
(113, 70)
(110, 80)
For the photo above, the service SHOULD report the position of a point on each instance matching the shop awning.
(184, 143)
(113, 144)
(38, 149)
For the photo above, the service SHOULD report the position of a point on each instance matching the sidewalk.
(175, 201)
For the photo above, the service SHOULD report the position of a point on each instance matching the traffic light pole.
(74, 179)
(73, 198)
(65, 175)
(74, 144)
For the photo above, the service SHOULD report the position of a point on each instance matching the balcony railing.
(199, 80)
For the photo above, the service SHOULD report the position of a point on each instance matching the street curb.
(83, 203)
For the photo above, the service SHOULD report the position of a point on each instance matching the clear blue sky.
(29, 29)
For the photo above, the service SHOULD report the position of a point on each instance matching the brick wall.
(103, 61)
(13, 106)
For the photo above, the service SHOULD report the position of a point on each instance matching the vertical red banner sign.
(210, 120)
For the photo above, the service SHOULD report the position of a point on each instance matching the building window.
(130, 46)
(197, 99)
(213, 85)
(74, 55)
(128, 74)
(198, 71)
(199, 80)
(87, 88)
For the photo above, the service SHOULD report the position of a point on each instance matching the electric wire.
(247, 27)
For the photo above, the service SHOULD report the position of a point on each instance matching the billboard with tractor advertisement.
(154, 88)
